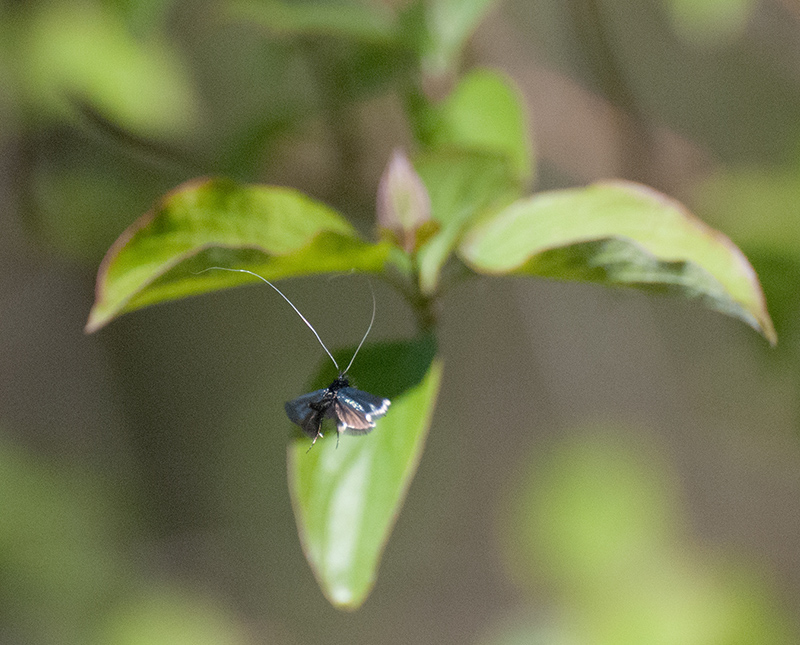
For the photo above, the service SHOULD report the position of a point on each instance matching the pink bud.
(404, 207)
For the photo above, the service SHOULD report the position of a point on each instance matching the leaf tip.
(768, 331)
(93, 323)
(342, 597)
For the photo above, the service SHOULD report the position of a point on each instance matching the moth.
(353, 410)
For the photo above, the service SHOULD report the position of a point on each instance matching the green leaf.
(344, 19)
(276, 232)
(485, 113)
(460, 186)
(619, 233)
(83, 52)
(480, 157)
(346, 499)
(441, 28)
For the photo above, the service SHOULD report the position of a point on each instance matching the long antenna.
(372, 320)
(297, 311)
(310, 326)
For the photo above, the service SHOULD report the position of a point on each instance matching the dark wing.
(356, 410)
(298, 409)
(309, 418)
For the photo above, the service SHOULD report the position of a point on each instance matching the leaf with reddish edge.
(619, 233)
(275, 231)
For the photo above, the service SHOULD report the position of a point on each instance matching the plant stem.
(405, 278)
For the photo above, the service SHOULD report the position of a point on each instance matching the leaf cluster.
(460, 209)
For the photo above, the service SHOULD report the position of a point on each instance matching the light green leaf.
(460, 185)
(277, 232)
(346, 498)
(480, 156)
(619, 233)
(83, 52)
(446, 27)
(485, 113)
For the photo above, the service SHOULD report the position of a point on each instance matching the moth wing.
(299, 411)
(375, 406)
(357, 410)
(349, 418)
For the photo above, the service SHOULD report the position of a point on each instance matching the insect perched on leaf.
(354, 411)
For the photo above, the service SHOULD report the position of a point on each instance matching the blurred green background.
(603, 467)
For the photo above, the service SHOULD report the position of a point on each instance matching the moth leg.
(313, 441)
